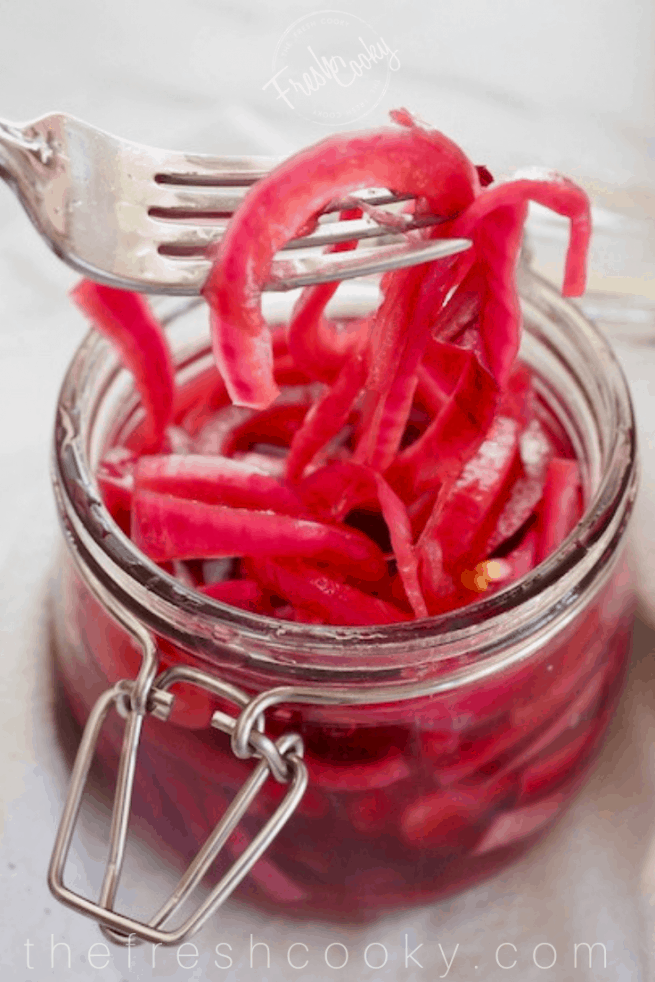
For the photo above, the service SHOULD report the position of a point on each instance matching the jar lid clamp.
(281, 759)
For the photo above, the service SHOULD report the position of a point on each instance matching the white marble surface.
(568, 84)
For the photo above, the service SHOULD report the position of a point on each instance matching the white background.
(568, 84)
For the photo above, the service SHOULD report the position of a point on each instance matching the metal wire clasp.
(281, 759)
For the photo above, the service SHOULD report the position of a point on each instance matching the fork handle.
(9, 146)
(17, 145)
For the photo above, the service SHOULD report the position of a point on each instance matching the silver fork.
(135, 217)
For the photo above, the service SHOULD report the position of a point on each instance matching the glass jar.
(439, 750)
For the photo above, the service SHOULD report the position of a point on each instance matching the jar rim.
(550, 592)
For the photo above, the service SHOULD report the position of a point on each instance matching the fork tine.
(225, 200)
(218, 201)
(185, 169)
(290, 274)
(334, 232)
(169, 236)
(177, 237)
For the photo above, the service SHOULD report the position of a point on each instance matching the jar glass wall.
(456, 741)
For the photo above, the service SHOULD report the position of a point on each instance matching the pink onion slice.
(462, 522)
(456, 433)
(216, 480)
(126, 319)
(327, 417)
(560, 505)
(494, 221)
(168, 528)
(409, 159)
(313, 344)
(315, 590)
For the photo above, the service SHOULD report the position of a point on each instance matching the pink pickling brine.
(352, 472)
